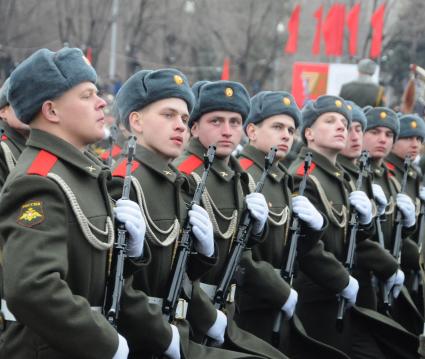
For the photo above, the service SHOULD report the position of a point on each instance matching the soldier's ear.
(49, 112)
(136, 122)
(251, 131)
(308, 133)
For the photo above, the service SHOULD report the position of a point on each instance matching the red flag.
(377, 22)
(293, 25)
(353, 29)
(89, 54)
(318, 34)
(225, 72)
(329, 30)
(339, 30)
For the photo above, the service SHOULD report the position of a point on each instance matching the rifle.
(111, 306)
(171, 301)
(112, 140)
(243, 234)
(287, 271)
(354, 226)
(398, 238)
(421, 233)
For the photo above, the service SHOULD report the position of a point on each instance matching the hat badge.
(228, 92)
(349, 107)
(338, 103)
(383, 115)
(178, 79)
(413, 124)
(286, 101)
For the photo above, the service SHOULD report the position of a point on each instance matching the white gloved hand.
(395, 283)
(362, 204)
(305, 211)
(350, 291)
(173, 350)
(380, 198)
(129, 213)
(218, 329)
(122, 351)
(422, 193)
(291, 302)
(407, 208)
(257, 206)
(203, 230)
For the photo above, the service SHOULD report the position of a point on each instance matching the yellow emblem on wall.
(383, 115)
(413, 124)
(228, 91)
(286, 101)
(31, 214)
(178, 80)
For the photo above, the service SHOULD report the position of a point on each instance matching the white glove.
(422, 193)
(395, 283)
(122, 351)
(362, 204)
(380, 198)
(350, 291)
(218, 329)
(291, 302)
(407, 208)
(129, 213)
(173, 350)
(203, 230)
(305, 210)
(257, 206)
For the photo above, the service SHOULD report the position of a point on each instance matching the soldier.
(56, 217)
(12, 143)
(155, 106)
(218, 116)
(324, 130)
(364, 91)
(272, 121)
(408, 143)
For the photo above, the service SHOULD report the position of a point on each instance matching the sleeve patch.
(31, 213)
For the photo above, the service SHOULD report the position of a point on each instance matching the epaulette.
(245, 163)
(190, 164)
(42, 164)
(3, 137)
(116, 151)
(300, 169)
(121, 169)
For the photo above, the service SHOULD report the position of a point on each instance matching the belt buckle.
(231, 294)
(181, 309)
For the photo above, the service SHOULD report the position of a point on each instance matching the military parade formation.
(133, 228)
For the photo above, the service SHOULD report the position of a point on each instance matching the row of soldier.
(58, 205)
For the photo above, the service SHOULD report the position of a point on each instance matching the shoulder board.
(190, 164)
(300, 169)
(116, 150)
(245, 163)
(42, 164)
(120, 170)
(3, 137)
(390, 166)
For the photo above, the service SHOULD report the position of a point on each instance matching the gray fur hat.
(367, 66)
(148, 86)
(357, 114)
(382, 117)
(411, 125)
(3, 94)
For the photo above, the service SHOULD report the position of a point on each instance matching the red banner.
(309, 81)
(293, 26)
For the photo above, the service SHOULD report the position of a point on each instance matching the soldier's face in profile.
(79, 115)
(275, 131)
(353, 148)
(222, 128)
(328, 134)
(407, 146)
(378, 141)
(162, 127)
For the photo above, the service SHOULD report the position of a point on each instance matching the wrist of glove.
(173, 350)
(350, 291)
(129, 213)
(122, 351)
(380, 198)
(257, 206)
(289, 307)
(395, 283)
(422, 193)
(218, 329)
(363, 206)
(407, 208)
(305, 211)
(203, 230)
